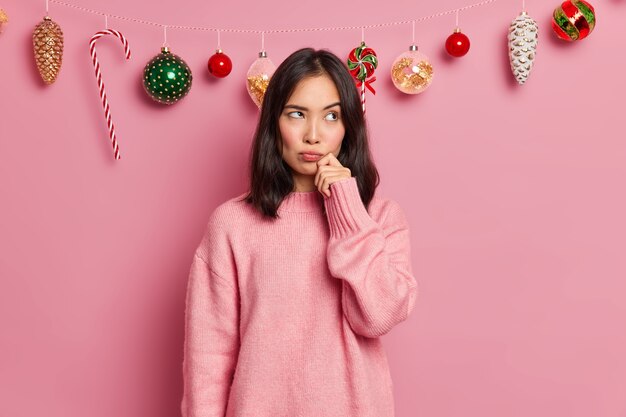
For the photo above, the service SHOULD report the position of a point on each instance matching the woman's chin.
(307, 168)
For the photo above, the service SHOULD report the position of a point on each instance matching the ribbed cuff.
(345, 210)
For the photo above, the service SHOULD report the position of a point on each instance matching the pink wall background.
(514, 196)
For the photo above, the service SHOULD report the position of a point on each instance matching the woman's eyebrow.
(295, 106)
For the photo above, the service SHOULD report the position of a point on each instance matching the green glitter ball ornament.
(167, 78)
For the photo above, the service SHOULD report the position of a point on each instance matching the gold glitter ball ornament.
(411, 72)
(48, 49)
(258, 77)
(4, 19)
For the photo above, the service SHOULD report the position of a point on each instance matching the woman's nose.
(312, 132)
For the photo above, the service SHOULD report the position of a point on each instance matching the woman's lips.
(310, 157)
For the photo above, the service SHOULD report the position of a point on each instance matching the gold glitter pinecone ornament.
(48, 49)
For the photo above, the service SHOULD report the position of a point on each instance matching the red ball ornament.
(457, 44)
(220, 64)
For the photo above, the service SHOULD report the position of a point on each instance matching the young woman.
(295, 280)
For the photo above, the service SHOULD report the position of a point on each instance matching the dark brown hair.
(270, 176)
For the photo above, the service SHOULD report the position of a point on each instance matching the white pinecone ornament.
(523, 34)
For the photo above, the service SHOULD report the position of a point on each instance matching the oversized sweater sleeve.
(372, 260)
(211, 344)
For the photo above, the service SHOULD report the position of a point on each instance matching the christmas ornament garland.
(48, 49)
(522, 38)
(573, 20)
(362, 62)
(167, 77)
(103, 96)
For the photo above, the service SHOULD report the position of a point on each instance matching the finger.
(328, 180)
(318, 174)
(333, 161)
(324, 187)
(321, 174)
(324, 160)
(329, 170)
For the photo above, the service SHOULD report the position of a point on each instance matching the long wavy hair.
(271, 178)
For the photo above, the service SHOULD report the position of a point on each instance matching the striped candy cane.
(103, 96)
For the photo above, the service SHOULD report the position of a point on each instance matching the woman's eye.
(334, 114)
(299, 114)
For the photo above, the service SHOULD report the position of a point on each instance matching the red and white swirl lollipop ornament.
(103, 96)
(362, 62)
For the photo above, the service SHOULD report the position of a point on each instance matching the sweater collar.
(302, 201)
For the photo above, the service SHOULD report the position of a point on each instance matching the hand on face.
(329, 170)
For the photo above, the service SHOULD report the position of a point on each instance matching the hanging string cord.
(378, 25)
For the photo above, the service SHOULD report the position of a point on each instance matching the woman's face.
(311, 121)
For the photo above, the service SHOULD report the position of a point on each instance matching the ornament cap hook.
(165, 49)
(262, 54)
(413, 48)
